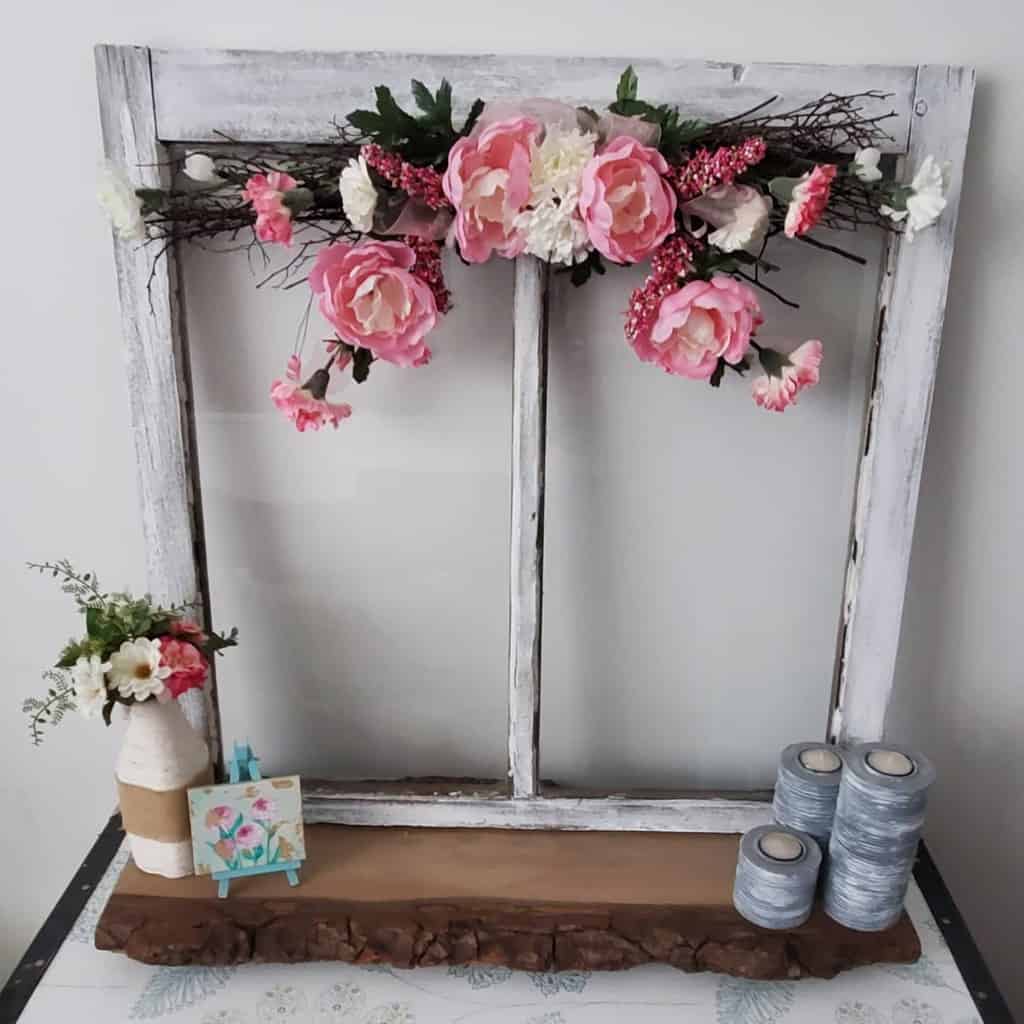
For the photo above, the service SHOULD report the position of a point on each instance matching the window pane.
(367, 568)
(696, 544)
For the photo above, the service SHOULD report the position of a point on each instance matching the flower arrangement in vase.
(142, 656)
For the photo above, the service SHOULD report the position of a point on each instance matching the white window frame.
(150, 99)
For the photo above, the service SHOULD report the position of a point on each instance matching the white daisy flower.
(90, 687)
(135, 669)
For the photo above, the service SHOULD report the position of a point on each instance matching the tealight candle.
(890, 762)
(820, 759)
(780, 846)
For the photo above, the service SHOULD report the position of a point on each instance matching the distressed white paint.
(529, 389)
(155, 357)
(913, 304)
(293, 97)
(395, 805)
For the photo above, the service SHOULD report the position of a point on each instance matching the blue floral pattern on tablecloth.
(85, 984)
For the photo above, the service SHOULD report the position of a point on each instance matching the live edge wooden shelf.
(535, 901)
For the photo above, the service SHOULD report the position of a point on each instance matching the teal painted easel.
(245, 762)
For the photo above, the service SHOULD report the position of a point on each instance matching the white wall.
(68, 466)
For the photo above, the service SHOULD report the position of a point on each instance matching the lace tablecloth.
(83, 984)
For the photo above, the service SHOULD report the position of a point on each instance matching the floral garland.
(367, 219)
(133, 650)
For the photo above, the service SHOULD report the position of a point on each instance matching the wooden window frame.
(152, 99)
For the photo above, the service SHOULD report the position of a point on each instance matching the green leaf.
(93, 621)
(626, 89)
(366, 121)
(108, 710)
(422, 95)
(443, 103)
(472, 117)
(715, 380)
(392, 114)
(234, 828)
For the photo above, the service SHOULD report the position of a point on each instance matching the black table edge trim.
(44, 947)
(988, 1000)
(991, 1006)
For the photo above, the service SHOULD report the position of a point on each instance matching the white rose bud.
(200, 167)
(358, 196)
(865, 164)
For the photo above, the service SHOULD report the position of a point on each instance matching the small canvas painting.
(245, 825)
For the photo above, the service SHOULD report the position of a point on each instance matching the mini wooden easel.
(246, 763)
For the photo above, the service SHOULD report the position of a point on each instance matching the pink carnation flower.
(188, 666)
(371, 296)
(778, 392)
(698, 324)
(626, 204)
(305, 404)
(273, 218)
(809, 199)
(488, 183)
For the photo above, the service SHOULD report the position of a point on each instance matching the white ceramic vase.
(161, 757)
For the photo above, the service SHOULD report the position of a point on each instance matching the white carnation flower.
(135, 669)
(200, 167)
(739, 213)
(358, 195)
(89, 685)
(123, 206)
(929, 195)
(554, 231)
(558, 161)
(865, 164)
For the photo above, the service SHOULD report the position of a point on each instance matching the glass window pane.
(366, 568)
(696, 544)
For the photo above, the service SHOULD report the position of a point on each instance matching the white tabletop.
(83, 984)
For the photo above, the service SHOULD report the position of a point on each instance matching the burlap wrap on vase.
(161, 757)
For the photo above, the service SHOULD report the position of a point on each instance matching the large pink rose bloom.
(627, 206)
(702, 322)
(373, 300)
(488, 183)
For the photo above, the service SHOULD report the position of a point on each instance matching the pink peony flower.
(263, 809)
(625, 202)
(188, 666)
(801, 370)
(305, 404)
(488, 183)
(809, 199)
(273, 218)
(248, 837)
(696, 325)
(373, 299)
(220, 817)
